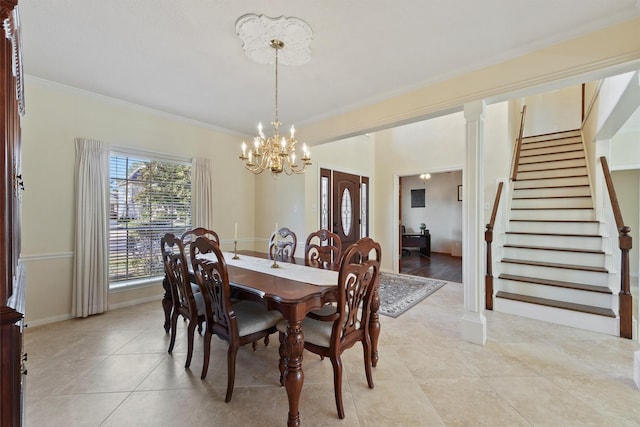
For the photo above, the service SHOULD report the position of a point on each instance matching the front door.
(346, 207)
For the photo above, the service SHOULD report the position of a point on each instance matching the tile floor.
(114, 370)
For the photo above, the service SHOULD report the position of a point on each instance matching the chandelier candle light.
(275, 153)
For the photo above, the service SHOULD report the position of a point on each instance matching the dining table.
(294, 289)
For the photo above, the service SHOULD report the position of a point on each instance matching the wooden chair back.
(282, 244)
(359, 270)
(322, 249)
(177, 271)
(213, 279)
(191, 235)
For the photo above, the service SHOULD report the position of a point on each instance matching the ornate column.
(474, 324)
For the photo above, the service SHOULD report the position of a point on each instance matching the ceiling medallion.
(256, 31)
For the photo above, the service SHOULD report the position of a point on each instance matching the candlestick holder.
(276, 251)
(235, 250)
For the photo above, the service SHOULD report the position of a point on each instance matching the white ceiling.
(184, 57)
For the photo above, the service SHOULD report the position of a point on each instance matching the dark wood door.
(346, 207)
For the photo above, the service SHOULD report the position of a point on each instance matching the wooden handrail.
(516, 157)
(488, 237)
(625, 243)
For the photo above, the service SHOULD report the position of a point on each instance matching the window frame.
(146, 156)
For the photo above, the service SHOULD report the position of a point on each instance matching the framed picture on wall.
(418, 198)
(459, 193)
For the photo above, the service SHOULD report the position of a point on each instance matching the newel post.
(625, 300)
(488, 277)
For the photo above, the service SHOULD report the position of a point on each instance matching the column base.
(474, 327)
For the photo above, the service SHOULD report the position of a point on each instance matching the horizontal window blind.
(148, 198)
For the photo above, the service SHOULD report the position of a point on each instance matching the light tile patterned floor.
(114, 370)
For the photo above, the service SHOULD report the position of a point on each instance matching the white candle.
(275, 238)
(235, 234)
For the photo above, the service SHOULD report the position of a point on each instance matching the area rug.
(400, 292)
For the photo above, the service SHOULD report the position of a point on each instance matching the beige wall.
(292, 201)
(55, 116)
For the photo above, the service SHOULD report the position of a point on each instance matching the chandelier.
(275, 153)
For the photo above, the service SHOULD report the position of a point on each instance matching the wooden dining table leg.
(374, 326)
(294, 377)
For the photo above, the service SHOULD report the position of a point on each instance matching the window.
(148, 198)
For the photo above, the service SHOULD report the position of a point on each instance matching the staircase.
(553, 265)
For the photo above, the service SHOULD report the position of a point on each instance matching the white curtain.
(202, 197)
(91, 250)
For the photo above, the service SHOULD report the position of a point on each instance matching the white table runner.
(300, 273)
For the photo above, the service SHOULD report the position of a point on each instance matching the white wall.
(554, 111)
(627, 185)
(55, 116)
(442, 213)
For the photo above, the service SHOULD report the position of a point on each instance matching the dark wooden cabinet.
(421, 241)
(12, 290)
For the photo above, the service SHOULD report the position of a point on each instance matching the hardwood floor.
(438, 266)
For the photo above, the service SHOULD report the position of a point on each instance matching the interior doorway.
(430, 231)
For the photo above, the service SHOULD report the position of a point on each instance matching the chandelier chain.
(277, 49)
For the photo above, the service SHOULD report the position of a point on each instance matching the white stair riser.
(563, 155)
(552, 214)
(568, 202)
(554, 227)
(548, 148)
(552, 182)
(553, 173)
(560, 274)
(552, 192)
(541, 255)
(551, 165)
(584, 242)
(576, 296)
(589, 322)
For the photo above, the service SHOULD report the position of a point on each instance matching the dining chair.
(238, 324)
(186, 303)
(331, 335)
(284, 247)
(322, 249)
(190, 235)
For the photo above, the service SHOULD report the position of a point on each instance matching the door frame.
(327, 168)
(396, 238)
